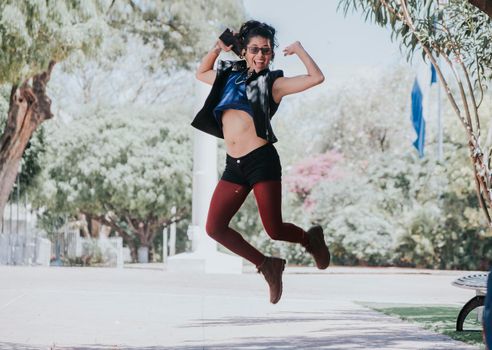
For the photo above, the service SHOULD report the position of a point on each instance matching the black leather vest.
(259, 93)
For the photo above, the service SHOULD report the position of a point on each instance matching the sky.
(343, 47)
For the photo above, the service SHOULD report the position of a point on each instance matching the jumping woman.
(244, 97)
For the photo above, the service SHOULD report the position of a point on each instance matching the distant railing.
(69, 248)
(20, 242)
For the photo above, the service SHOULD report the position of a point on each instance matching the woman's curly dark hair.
(254, 28)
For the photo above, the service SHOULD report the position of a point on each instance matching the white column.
(204, 166)
(204, 178)
(204, 256)
(172, 236)
(164, 245)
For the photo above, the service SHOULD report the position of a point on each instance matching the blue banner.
(433, 74)
(418, 118)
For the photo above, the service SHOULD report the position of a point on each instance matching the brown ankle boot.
(272, 269)
(317, 247)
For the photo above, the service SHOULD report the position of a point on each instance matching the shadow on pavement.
(342, 336)
(376, 340)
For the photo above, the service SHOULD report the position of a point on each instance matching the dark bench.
(477, 282)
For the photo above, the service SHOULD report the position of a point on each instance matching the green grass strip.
(437, 318)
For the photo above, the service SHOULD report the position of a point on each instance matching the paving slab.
(144, 307)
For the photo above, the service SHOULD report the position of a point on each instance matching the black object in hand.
(228, 38)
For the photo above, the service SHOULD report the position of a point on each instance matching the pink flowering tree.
(306, 174)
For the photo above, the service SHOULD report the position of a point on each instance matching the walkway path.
(150, 309)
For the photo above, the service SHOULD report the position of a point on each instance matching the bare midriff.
(240, 133)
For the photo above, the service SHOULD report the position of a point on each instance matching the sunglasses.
(255, 49)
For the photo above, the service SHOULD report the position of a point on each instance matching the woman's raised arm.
(285, 86)
(205, 71)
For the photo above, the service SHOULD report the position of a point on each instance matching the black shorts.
(261, 164)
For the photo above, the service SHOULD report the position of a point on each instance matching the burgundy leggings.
(226, 201)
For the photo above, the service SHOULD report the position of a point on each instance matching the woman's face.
(258, 53)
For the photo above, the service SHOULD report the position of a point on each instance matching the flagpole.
(440, 153)
(439, 119)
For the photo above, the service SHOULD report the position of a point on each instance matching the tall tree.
(460, 33)
(125, 167)
(35, 35)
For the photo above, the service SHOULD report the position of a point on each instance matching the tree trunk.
(133, 251)
(84, 228)
(483, 5)
(29, 106)
(151, 252)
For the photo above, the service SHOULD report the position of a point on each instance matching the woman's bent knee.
(275, 235)
(213, 230)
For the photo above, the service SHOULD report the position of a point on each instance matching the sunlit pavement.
(145, 307)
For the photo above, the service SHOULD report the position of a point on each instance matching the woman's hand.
(293, 48)
(220, 44)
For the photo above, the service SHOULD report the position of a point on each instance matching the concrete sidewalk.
(144, 307)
